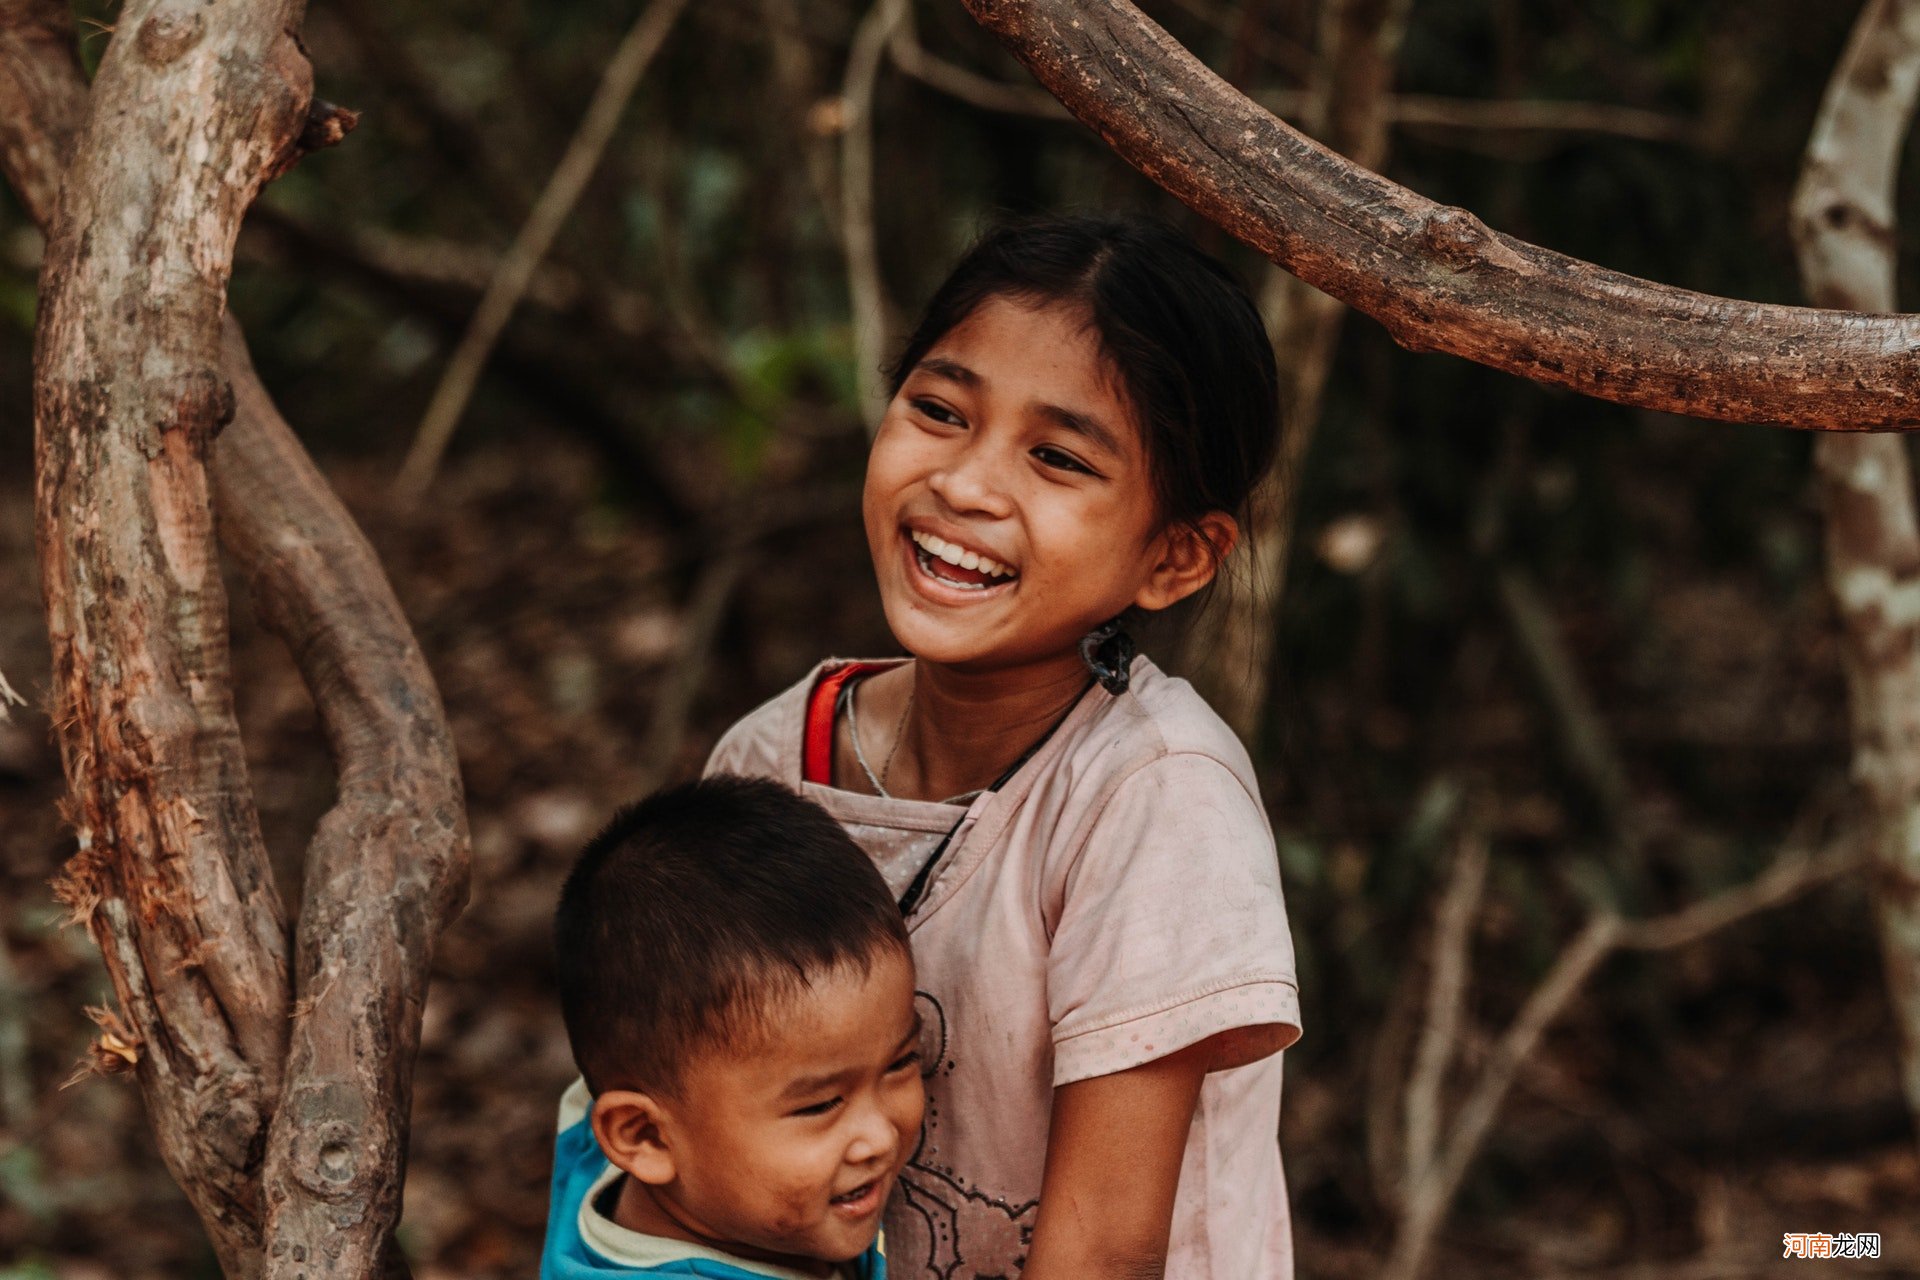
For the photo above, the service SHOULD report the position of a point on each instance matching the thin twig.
(1792, 874)
(1586, 744)
(753, 521)
(1429, 1199)
(872, 315)
(970, 87)
(1406, 111)
(563, 190)
(1293, 58)
(9, 698)
(712, 594)
(1472, 115)
(1446, 1001)
(459, 141)
(793, 78)
(16, 1076)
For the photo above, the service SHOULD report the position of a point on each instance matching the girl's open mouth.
(956, 566)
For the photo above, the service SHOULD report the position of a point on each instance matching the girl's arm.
(1113, 1165)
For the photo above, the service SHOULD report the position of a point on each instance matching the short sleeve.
(1172, 928)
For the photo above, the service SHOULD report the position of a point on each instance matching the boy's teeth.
(955, 554)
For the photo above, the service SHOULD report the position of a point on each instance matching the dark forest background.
(1476, 557)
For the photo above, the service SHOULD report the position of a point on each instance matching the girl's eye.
(1061, 460)
(819, 1108)
(938, 412)
(904, 1061)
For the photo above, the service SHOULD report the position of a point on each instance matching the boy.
(738, 994)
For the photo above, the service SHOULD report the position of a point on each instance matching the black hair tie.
(1108, 652)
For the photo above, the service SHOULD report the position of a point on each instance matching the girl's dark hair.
(1184, 339)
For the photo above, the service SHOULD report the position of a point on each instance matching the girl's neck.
(961, 730)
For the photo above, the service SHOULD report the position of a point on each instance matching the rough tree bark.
(1843, 225)
(1348, 103)
(1437, 277)
(277, 1084)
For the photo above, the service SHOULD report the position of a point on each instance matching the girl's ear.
(635, 1133)
(1190, 554)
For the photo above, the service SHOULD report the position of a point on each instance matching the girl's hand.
(1113, 1166)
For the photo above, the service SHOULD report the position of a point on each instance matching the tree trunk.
(1843, 225)
(1435, 276)
(254, 1076)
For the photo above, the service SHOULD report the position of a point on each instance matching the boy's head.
(738, 993)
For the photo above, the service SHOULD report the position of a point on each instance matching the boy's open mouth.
(861, 1199)
(957, 566)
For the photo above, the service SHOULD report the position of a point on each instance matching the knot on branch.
(202, 406)
(1456, 238)
(167, 35)
(327, 125)
(332, 1154)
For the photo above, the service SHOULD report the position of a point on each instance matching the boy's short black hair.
(695, 912)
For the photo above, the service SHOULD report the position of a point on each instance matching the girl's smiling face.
(1009, 504)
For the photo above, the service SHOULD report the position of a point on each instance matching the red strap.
(816, 756)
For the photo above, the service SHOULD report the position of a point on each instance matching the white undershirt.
(629, 1248)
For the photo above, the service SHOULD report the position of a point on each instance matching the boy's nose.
(875, 1140)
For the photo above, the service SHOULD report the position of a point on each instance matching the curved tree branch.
(387, 866)
(172, 875)
(1843, 225)
(386, 871)
(43, 100)
(1437, 277)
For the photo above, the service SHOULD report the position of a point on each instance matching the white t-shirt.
(1116, 901)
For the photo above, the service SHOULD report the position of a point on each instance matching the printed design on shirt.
(950, 1230)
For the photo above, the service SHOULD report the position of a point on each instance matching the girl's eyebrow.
(1082, 425)
(952, 370)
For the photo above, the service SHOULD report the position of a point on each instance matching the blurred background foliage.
(681, 381)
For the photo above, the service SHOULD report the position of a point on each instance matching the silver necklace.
(878, 781)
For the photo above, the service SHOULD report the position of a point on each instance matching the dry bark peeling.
(1843, 224)
(1436, 276)
(171, 875)
(255, 1077)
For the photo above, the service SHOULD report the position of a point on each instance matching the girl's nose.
(973, 482)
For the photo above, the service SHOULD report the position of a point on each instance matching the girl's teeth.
(955, 554)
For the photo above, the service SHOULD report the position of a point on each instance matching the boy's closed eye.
(905, 1062)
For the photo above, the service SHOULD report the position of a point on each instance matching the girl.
(1087, 871)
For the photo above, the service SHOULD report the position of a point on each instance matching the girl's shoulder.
(1160, 716)
(767, 742)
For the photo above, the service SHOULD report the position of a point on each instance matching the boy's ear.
(635, 1133)
(1190, 554)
